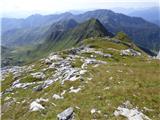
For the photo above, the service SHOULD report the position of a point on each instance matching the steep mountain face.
(57, 30)
(90, 28)
(104, 78)
(143, 33)
(68, 33)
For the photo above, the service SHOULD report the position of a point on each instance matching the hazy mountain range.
(31, 30)
(28, 38)
(150, 14)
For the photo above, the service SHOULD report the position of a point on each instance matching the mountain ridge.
(143, 33)
(74, 34)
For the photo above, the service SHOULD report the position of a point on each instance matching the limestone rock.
(56, 97)
(39, 87)
(93, 111)
(74, 90)
(38, 75)
(66, 114)
(130, 113)
(35, 106)
(129, 52)
(55, 58)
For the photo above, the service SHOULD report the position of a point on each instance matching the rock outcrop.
(130, 113)
(36, 106)
(67, 114)
(130, 52)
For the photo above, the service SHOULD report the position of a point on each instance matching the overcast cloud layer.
(12, 8)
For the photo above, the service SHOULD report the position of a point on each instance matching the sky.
(20, 8)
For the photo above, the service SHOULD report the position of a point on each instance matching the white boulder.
(55, 58)
(56, 97)
(35, 106)
(130, 113)
(66, 114)
(93, 110)
(73, 90)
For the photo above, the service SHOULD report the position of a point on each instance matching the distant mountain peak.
(70, 23)
(94, 21)
(69, 33)
(93, 26)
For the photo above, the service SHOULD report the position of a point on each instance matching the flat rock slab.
(66, 114)
(130, 113)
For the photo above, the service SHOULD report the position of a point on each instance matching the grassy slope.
(138, 82)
